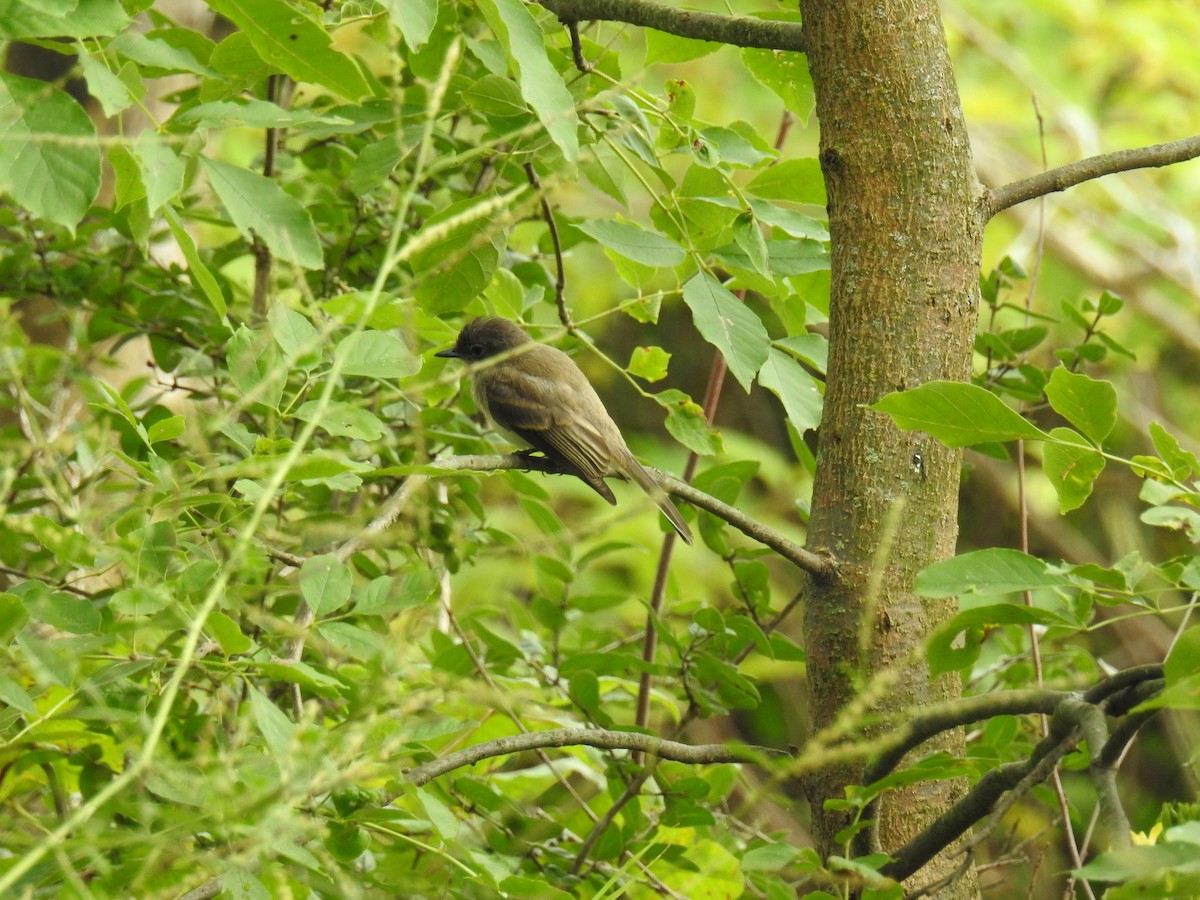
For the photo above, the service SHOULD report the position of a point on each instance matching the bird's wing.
(563, 423)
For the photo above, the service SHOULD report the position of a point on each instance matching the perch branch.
(816, 564)
(1063, 177)
(740, 31)
(692, 754)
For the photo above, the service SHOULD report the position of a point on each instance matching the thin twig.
(819, 565)
(581, 62)
(1063, 177)
(262, 254)
(692, 754)
(712, 394)
(631, 792)
(740, 31)
(560, 280)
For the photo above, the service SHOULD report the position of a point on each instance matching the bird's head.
(485, 337)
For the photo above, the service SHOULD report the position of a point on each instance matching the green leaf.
(811, 348)
(165, 429)
(197, 270)
(227, 634)
(733, 147)
(786, 73)
(139, 600)
(67, 544)
(103, 83)
(681, 99)
(296, 336)
(541, 84)
(161, 52)
(734, 688)
(497, 96)
(61, 18)
(458, 261)
(1182, 671)
(49, 161)
(649, 363)
(444, 821)
(633, 242)
(996, 570)
(276, 728)
(1072, 465)
(304, 675)
(377, 354)
(60, 610)
(729, 325)
(162, 171)
(12, 694)
(385, 596)
(287, 38)
(357, 643)
(254, 366)
(236, 59)
(687, 424)
(947, 652)
(127, 172)
(325, 583)
(796, 224)
(798, 180)
(376, 162)
(13, 616)
(1183, 463)
(246, 113)
(725, 481)
(1137, 861)
(413, 18)
(958, 415)
(662, 47)
(1184, 659)
(506, 294)
(259, 206)
(344, 420)
(1088, 404)
(795, 388)
(520, 887)
(749, 237)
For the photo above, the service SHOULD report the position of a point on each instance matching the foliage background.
(177, 443)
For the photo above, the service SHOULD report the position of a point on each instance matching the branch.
(1017, 778)
(962, 712)
(740, 31)
(1072, 720)
(693, 754)
(818, 565)
(1082, 170)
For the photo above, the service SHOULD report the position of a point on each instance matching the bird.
(540, 397)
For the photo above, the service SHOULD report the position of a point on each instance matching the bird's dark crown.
(486, 336)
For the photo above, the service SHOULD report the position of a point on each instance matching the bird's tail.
(637, 473)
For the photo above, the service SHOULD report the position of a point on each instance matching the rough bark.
(906, 257)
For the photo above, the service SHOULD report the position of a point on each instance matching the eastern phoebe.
(538, 395)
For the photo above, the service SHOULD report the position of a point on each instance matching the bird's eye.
(476, 350)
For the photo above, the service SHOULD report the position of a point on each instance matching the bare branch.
(560, 282)
(996, 792)
(693, 754)
(1001, 198)
(816, 564)
(740, 31)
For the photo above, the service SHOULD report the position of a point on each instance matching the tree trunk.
(906, 256)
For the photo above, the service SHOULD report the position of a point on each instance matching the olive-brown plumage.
(539, 396)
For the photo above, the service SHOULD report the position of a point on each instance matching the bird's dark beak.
(451, 353)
